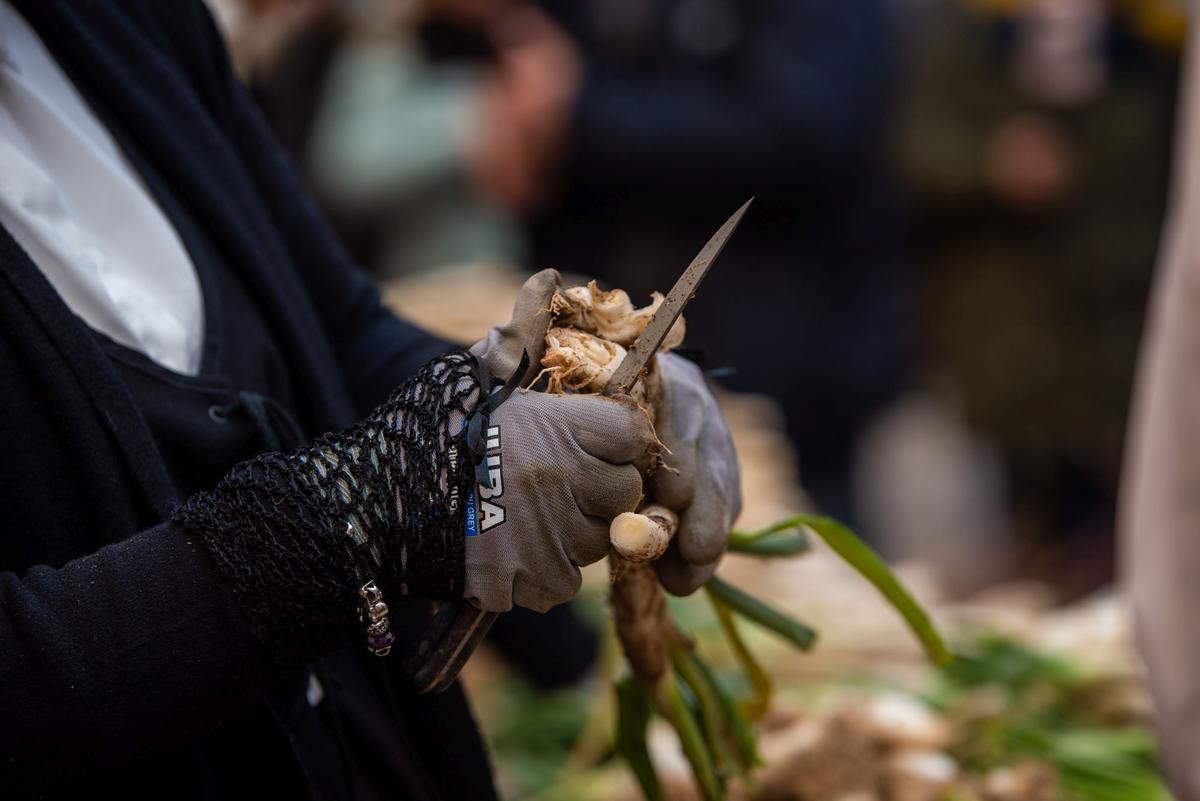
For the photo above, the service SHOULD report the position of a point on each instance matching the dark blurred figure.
(629, 139)
(1035, 140)
(281, 49)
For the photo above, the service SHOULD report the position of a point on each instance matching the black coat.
(119, 643)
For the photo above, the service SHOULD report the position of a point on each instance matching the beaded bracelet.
(372, 610)
(374, 615)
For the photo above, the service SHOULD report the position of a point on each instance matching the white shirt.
(70, 198)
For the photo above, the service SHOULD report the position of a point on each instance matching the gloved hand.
(702, 482)
(563, 470)
(526, 331)
(339, 529)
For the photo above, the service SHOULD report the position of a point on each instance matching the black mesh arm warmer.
(313, 539)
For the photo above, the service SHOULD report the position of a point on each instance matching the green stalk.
(859, 555)
(756, 706)
(750, 607)
(770, 545)
(737, 727)
(695, 749)
(786, 524)
(711, 715)
(634, 709)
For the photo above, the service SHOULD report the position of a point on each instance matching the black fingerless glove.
(314, 539)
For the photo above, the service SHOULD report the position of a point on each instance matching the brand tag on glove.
(483, 512)
(472, 520)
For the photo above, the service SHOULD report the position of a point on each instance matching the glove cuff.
(313, 539)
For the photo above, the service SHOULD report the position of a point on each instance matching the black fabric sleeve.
(299, 534)
(113, 654)
(159, 638)
(375, 349)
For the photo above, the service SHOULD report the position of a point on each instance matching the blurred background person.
(1158, 514)
(379, 128)
(392, 134)
(1034, 141)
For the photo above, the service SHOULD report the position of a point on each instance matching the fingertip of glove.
(673, 483)
(546, 274)
(541, 285)
(638, 420)
(704, 530)
(633, 490)
(615, 430)
(680, 577)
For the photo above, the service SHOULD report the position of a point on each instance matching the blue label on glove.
(472, 523)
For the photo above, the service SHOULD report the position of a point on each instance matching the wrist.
(322, 539)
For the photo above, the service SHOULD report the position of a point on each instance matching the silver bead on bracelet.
(373, 613)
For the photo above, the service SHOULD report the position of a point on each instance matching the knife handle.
(434, 661)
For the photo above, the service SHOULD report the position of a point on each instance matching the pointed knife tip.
(737, 215)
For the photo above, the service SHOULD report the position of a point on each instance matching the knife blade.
(646, 345)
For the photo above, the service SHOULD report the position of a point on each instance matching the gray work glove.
(564, 471)
(501, 349)
(702, 483)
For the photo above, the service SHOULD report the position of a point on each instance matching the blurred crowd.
(958, 211)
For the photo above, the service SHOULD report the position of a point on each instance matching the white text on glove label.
(491, 514)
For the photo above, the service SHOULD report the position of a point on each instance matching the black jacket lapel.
(120, 69)
(70, 340)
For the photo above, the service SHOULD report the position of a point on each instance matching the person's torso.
(73, 407)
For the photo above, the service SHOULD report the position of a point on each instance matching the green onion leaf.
(634, 709)
(753, 609)
(755, 707)
(738, 727)
(680, 713)
(859, 555)
(769, 545)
